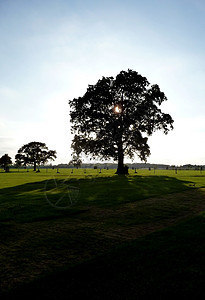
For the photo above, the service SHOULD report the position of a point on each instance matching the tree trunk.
(121, 169)
(7, 169)
(34, 166)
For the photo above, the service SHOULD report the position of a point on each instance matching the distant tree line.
(6, 163)
(133, 166)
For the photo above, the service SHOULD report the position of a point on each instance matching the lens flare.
(117, 109)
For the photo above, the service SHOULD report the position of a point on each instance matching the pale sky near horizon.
(50, 50)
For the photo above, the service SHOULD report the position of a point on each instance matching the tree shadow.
(58, 198)
(30, 201)
(117, 189)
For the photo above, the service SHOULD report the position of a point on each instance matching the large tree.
(114, 118)
(5, 162)
(34, 153)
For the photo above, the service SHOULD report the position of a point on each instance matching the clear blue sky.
(50, 50)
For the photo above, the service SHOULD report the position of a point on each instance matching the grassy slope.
(37, 239)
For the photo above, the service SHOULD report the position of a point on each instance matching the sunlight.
(117, 109)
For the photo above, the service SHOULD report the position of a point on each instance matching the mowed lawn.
(68, 235)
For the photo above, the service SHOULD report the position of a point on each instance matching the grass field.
(68, 235)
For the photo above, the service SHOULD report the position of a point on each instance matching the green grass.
(29, 196)
(144, 230)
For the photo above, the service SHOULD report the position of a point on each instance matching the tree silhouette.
(5, 161)
(114, 118)
(34, 153)
(75, 161)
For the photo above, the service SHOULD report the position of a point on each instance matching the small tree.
(75, 161)
(5, 162)
(34, 153)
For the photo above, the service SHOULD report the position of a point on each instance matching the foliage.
(34, 153)
(75, 161)
(114, 117)
(5, 161)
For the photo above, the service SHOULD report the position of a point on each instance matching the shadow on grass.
(161, 265)
(58, 198)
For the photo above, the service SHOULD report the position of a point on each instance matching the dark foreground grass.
(163, 265)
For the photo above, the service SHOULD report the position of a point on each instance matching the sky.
(51, 50)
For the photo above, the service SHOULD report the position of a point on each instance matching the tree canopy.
(115, 117)
(5, 161)
(34, 153)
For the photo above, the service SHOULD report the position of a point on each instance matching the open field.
(102, 235)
